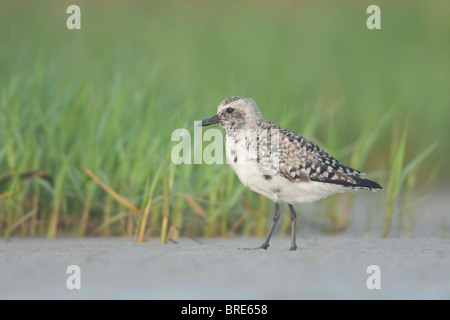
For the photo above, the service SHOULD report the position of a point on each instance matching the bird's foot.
(263, 246)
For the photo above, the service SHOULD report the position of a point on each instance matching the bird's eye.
(230, 110)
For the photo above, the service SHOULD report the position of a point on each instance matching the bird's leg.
(276, 217)
(294, 220)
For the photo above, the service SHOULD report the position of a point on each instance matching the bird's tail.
(366, 184)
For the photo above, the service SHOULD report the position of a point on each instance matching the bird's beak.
(207, 122)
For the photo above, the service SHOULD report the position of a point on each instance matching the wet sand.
(324, 267)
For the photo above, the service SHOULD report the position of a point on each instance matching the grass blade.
(4, 195)
(111, 192)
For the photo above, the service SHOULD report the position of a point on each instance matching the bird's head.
(235, 113)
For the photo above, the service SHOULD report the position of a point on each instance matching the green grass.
(107, 97)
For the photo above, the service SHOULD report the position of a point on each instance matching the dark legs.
(276, 217)
(293, 231)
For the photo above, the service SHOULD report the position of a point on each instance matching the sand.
(324, 267)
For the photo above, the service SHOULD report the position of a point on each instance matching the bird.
(280, 164)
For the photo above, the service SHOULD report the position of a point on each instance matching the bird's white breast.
(271, 185)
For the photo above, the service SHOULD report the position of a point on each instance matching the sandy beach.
(325, 267)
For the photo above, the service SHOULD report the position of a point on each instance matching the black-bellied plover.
(278, 163)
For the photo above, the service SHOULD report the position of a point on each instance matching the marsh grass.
(92, 111)
(402, 173)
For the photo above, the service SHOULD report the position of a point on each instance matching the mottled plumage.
(278, 163)
(302, 161)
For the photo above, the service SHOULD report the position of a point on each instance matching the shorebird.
(280, 164)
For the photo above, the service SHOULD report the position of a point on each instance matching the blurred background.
(86, 116)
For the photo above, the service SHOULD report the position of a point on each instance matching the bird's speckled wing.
(300, 160)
